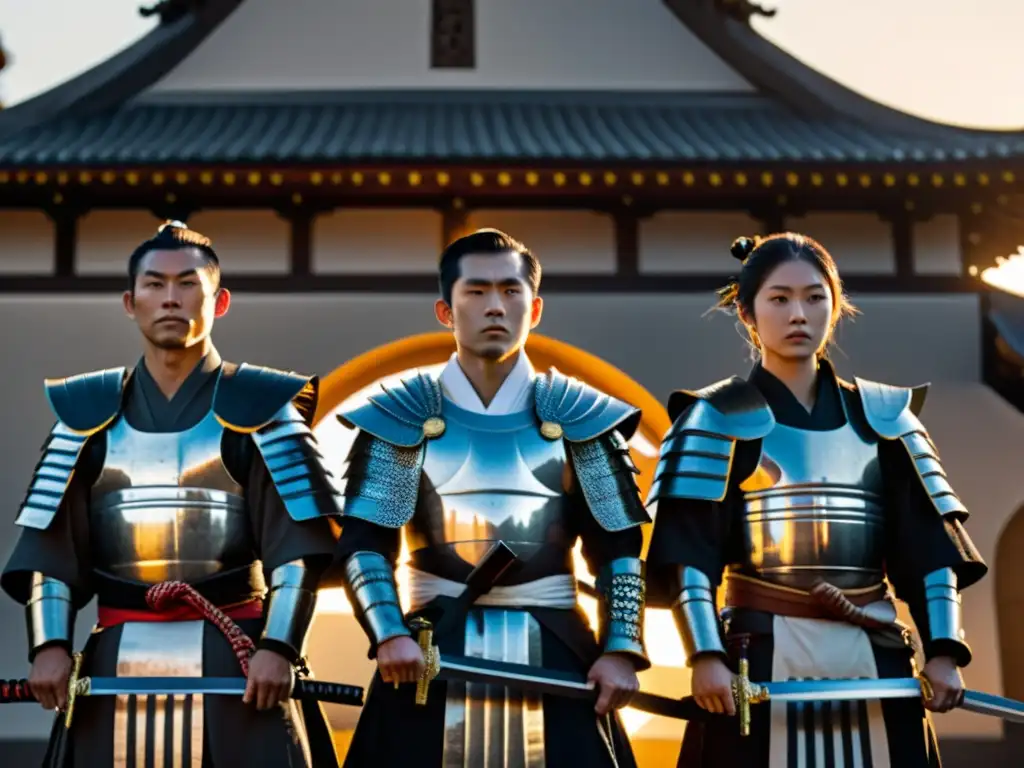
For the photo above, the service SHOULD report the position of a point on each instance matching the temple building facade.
(330, 150)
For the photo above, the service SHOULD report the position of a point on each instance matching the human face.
(175, 299)
(793, 311)
(493, 308)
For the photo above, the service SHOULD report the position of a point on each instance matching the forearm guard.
(50, 614)
(945, 620)
(696, 617)
(291, 605)
(370, 583)
(623, 589)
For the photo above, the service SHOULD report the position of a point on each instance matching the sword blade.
(162, 686)
(515, 676)
(843, 690)
(558, 683)
(993, 706)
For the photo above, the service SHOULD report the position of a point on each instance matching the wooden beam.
(300, 251)
(454, 223)
(427, 284)
(65, 224)
(902, 223)
(627, 243)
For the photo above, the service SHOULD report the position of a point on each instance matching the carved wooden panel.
(453, 35)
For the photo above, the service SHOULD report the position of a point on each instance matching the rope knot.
(161, 597)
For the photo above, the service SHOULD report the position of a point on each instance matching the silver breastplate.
(488, 479)
(814, 510)
(164, 506)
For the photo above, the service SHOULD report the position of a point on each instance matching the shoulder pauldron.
(384, 467)
(84, 405)
(893, 413)
(698, 449)
(276, 408)
(596, 428)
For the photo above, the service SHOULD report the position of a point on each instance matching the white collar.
(513, 395)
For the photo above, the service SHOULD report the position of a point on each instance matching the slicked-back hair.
(484, 241)
(174, 236)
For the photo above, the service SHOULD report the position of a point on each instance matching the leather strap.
(821, 603)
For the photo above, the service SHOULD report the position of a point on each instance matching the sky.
(957, 61)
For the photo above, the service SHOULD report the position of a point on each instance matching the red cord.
(162, 596)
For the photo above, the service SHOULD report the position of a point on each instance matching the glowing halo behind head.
(353, 382)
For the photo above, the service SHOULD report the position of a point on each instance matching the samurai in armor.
(818, 502)
(491, 454)
(185, 469)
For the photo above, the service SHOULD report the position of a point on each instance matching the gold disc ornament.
(433, 427)
(550, 430)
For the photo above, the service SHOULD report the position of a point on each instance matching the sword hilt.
(332, 693)
(431, 659)
(74, 688)
(744, 692)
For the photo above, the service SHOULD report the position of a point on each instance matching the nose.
(171, 298)
(494, 306)
(797, 315)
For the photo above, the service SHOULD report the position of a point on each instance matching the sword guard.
(431, 657)
(75, 687)
(745, 692)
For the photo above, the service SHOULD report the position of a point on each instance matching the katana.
(440, 666)
(317, 690)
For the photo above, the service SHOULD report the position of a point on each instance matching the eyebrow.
(789, 289)
(484, 283)
(154, 273)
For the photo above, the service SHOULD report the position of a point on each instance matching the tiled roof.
(483, 127)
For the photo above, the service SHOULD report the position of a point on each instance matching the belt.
(108, 616)
(870, 607)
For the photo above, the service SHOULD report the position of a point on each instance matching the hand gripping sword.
(159, 596)
(440, 666)
(12, 691)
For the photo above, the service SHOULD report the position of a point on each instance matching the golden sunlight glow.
(1008, 274)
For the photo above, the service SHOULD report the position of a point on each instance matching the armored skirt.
(181, 731)
(492, 725)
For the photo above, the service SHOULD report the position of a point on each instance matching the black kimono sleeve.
(61, 550)
(695, 533)
(295, 553)
(921, 541)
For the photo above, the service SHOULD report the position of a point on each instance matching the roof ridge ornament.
(744, 10)
(170, 11)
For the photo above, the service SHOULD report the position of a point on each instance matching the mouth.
(495, 329)
(798, 336)
(171, 321)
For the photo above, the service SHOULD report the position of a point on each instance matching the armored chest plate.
(491, 478)
(165, 507)
(814, 510)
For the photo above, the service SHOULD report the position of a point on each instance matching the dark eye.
(512, 291)
(188, 282)
(474, 292)
(151, 284)
(779, 299)
(817, 297)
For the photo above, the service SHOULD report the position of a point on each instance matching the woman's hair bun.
(742, 247)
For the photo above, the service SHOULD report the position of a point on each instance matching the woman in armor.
(817, 502)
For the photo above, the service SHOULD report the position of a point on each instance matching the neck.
(485, 375)
(170, 367)
(799, 374)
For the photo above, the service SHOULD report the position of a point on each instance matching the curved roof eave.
(123, 75)
(780, 74)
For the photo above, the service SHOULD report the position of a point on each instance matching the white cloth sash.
(558, 591)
